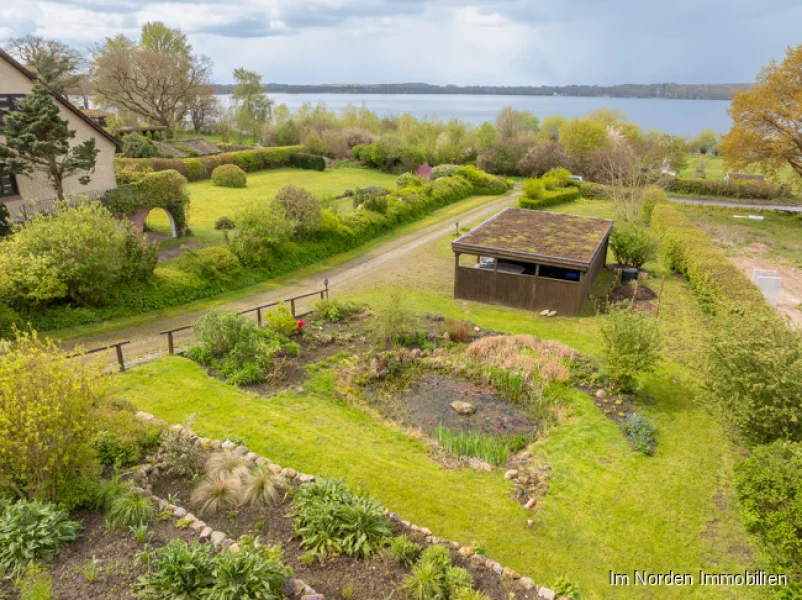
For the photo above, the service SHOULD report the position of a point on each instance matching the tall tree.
(159, 85)
(203, 108)
(767, 120)
(550, 127)
(38, 139)
(58, 66)
(512, 123)
(157, 37)
(253, 107)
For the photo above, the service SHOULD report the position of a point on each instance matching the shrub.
(393, 319)
(314, 144)
(177, 571)
(195, 169)
(371, 194)
(216, 333)
(501, 158)
(32, 531)
(230, 176)
(727, 188)
(35, 583)
(46, 403)
(593, 190)
(334, 310)
(262, 231)
(632, 245)
(458, 331)
(310, 162)
(534, 189)
(560, 175)
(182, 456)
(769, 487)
(564, 587)
(408, 179)
(333, 520)
(651, 196)
(280, 320)
(76, 253)
(9, 322)
(550, 198)
(715, 280)
(113, 451)
(255, 572)
(641, 433)
(630, 346)
(543, 157)
(5, 221)
(482, 182)
(208, 263)
(753, 375)
(130, 509)
(166, 190)
(224, 223)
(404, 551)
(136, 145)
(457, 579)
(442, 171)
(424, 583)
(300, 207)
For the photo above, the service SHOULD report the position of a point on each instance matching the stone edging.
(297, 588)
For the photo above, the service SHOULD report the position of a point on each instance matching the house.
(24, 194)
(100, 117)
(744, 176)
(531, 259)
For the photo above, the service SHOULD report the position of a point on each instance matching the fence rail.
(324, 293)
(118, 347)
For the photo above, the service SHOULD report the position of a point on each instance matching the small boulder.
(466, 551)
(228, 445)
(544, 313)
(215, 445)
(233, 547)
(180, 512)
(306, 478)
(217, 538)
(251, 456)
(205, 535)
(288, 473)
(546, 593)
(274, 468)
(601, 394)
(240, 451)
(294, 588)
(530, 503)
(510, 574)
(511, 474)
(553, 313)
(296, 389)
(477, 329)
(526, 583)
(463, 408)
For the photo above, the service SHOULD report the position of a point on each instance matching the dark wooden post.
(326, 283)
(170, 347)
(292, 306)
(259, 316)
(120, 358)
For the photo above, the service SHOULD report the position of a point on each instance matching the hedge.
(727, 188)
(550, 198)
(164, 189)
(195, 169)
(711, 275)
(311, 162)
(172, 285)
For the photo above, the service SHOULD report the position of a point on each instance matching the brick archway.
(138, 219)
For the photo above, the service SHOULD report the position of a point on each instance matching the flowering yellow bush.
(46, 401)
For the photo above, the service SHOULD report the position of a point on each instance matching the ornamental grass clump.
(537, 360)
(332, 520)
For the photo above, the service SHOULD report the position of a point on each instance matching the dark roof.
(30, 75)
(535, 235)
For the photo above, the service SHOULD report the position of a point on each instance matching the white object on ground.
(770, 286)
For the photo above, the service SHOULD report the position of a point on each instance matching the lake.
(678, 117)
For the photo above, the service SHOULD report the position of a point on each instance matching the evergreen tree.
(38, 139)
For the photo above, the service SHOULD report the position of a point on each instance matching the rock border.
(297, 588)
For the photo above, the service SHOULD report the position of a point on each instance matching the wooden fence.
(324, 293)
(118, 347)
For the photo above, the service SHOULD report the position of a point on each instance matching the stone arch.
(139, 217)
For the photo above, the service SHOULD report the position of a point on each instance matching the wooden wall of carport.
(528, 292)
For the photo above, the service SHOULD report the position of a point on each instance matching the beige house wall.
(37, 187)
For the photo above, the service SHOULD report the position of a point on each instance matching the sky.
(501, 42)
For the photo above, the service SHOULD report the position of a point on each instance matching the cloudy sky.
(501, 42)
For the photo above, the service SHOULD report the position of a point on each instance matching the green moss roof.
(537, 233)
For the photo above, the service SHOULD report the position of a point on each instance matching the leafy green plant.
(107, 491)
(437, 555)
(88, 570)
(183, 523)
(404, 551)
(280, 320)
(630, 346)
(254, 572)
(33, 531)
(113, 451)
(261, 232)
(332, 519)
(393, 319)
(224, 224)
(631, 244)
(334, 310)
(641, 433)
(178, 571)
(456, 579)
(131, 509)
(141, 532)
(229, 176)
(564, 587)
(425, 582)
(469, 594)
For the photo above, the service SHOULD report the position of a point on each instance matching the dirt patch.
(790, 299)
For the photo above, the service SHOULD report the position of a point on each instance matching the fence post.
(170, 347)
(259, 316)
(292, 306)
(120, 358)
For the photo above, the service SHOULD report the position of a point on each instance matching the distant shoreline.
(662, 91)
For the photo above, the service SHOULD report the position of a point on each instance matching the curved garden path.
(146, 343)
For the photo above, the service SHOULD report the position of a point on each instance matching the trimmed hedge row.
(711, 275)
(727, 188)
(550, 198)
(173, 284)
(165, 189)
(195, 169)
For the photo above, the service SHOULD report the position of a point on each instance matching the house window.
(8, 102)
(8, 184)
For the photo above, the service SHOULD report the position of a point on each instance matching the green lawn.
(714, 170)
(608, 508)
(209, 202)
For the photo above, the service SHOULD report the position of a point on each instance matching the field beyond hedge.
(209, 202)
